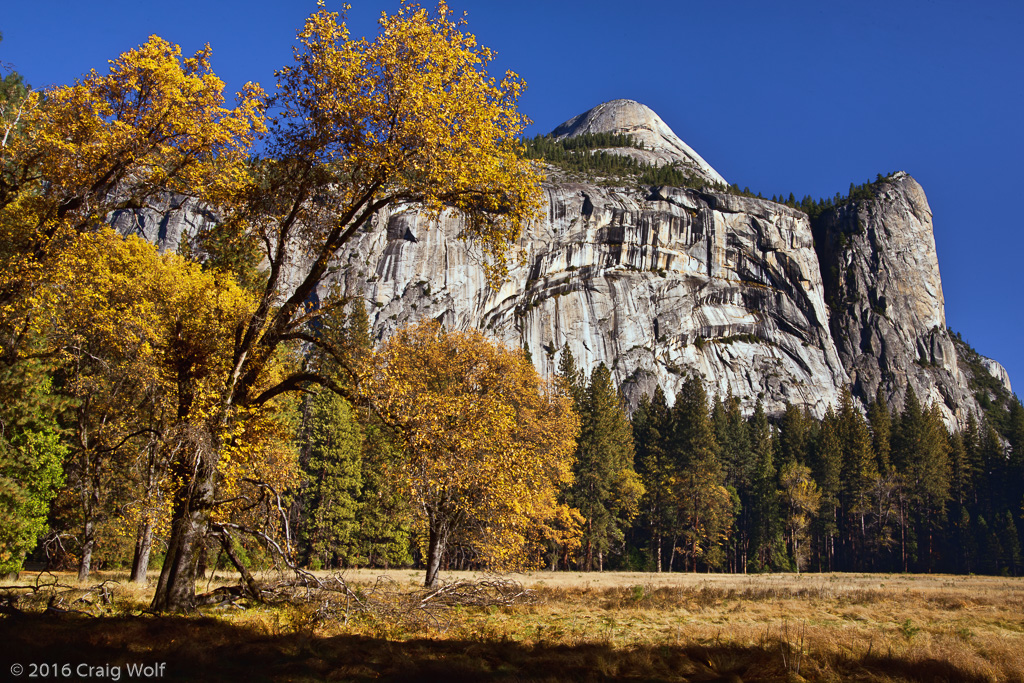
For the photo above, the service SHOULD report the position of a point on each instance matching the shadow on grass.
(209, 649)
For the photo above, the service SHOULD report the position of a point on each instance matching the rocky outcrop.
(996, 369)
(660, 144)
(168, 221)
(881, 275)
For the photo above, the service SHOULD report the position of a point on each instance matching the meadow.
(541, 627)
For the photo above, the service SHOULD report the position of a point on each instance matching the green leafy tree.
(30, 474)
(31, 453)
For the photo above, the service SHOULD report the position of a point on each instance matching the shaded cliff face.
(881, 275)
(652, 283)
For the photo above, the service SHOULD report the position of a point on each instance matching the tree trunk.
(251, 587)
(90, 505)
(89, 542)
(588, 562)
(435, 549)
(657, 540)
(176, 590)
(143, 546)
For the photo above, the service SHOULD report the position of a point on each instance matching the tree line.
(889, 489)
(695, 485)
(584, 154)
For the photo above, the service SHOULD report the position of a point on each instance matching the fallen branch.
(386, 601)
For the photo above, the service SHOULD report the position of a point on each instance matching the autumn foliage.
(176, 375)
(488, 444)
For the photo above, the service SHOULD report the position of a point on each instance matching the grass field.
(569, 626)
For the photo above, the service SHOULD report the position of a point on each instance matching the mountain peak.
(629, 117)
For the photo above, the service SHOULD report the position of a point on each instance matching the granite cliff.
(656, 282)
(657, 143)
(881, 276)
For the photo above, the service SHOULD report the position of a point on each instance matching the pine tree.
(364, 520)
(693, 436)
(333, 482)
(572, 376)
(732, 434)
(705, 505)
(1010, 559)
(766, 524)
(858, 477)
(793, 435)
(385, 520)
(733, 437)
(880, 421)
(606, 489)
(652, 433)
(922, 457)
(827, 468)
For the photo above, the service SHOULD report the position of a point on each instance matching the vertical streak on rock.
(708, 219)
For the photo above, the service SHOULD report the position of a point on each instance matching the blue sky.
(802, 97)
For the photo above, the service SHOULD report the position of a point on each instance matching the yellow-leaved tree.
(143, 350)
(154, 123)
(488, 444)
(411, 116)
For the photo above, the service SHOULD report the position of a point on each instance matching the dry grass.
(671, 627)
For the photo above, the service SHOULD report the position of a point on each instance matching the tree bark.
(251, 587)
(176, 590)
(89, 542)
(143, 546)
(435, 549)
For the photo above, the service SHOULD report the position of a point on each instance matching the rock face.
(881, 275)
(660, 145)
(659, 282)
(171, 219)
(653, 284)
